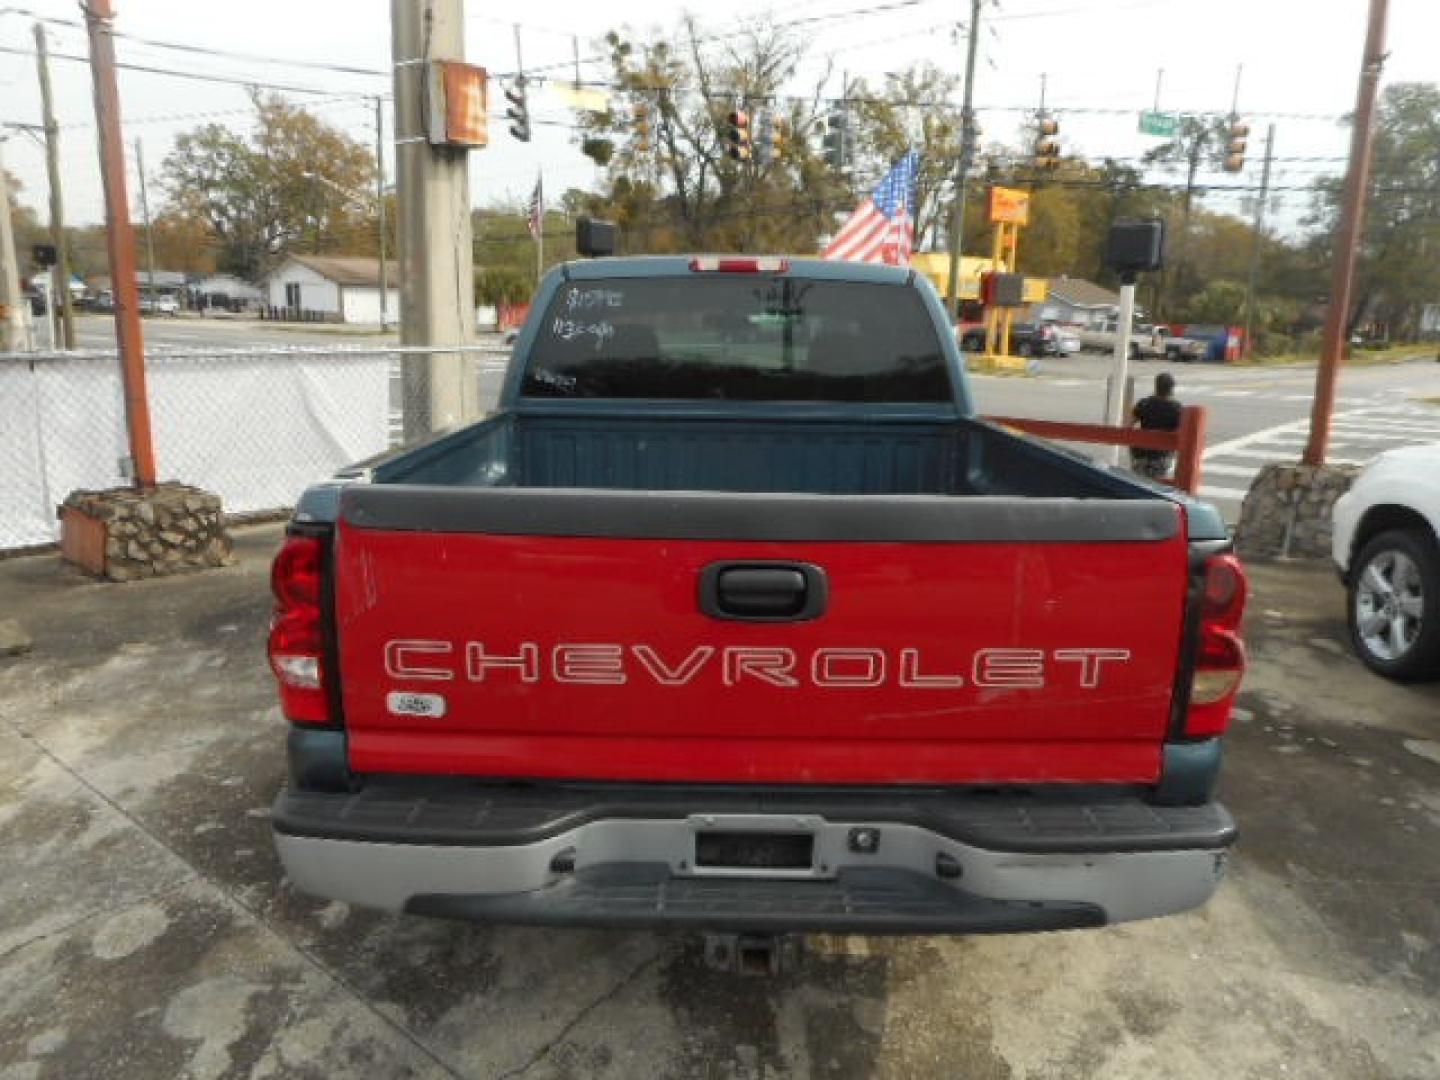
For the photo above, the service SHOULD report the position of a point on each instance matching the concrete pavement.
(145, 930)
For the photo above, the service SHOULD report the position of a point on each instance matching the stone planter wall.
(124, 534)
(1286, 513)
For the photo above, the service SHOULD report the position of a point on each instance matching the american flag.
(882, 229)
(535, 219)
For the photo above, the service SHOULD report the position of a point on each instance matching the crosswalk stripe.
(1208, 468)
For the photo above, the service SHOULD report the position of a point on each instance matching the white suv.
(1387, 546)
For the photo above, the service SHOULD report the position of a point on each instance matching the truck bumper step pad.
(856, 901)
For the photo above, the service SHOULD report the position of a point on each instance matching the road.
(98, 332)
(1256, 415)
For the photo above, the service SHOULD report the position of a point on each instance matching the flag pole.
(539, 227)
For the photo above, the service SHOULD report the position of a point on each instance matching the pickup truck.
(1146, 343)
(736, 617)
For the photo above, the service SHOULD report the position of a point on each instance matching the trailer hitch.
(753, 954)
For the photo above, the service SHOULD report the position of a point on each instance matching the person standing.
(1158, 412)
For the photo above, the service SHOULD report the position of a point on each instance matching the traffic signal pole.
(120, 240)
(1348, 236)
(962, 167)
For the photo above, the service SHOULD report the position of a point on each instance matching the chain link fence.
(255, 425)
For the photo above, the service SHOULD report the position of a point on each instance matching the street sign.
(1162, 125)
(1009, 205)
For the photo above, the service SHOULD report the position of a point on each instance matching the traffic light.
(1235, 150)
(765, 138)
(519, 111)
(642, 127)
(837, 139)
(1047, 147)
(737, 135)
(780, 137)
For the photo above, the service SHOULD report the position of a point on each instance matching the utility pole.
(437, 276)
(145, 209)
(12, 315)
(962, 168)
(1348, 236)
(380, 210)
(1257, 230)
(120, 240)
(60, 272)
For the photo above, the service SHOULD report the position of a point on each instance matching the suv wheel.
(1394, 605)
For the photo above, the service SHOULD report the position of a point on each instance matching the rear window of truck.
(737, 337)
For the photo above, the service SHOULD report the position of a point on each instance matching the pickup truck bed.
(840, 454)
(758, 663)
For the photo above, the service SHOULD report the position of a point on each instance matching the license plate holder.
(756, 846)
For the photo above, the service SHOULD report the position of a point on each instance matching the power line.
(809, 20)
(197, 76)
(205, 50)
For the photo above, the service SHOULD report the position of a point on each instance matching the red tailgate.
(541, 656)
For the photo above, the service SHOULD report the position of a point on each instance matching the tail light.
(1220, 656)
(296, 646)
(738, 265)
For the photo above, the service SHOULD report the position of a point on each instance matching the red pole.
(1348, 236)
(1191, 448)
(120, 240)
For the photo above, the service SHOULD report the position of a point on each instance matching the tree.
(26, 224)
(293, 180)
(1220, 301)
(1200, 140)
(905, 114)
(670, 183)
(505, 251)
(1399, 264)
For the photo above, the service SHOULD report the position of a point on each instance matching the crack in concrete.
(234, 901)
(95, 914)
(621, 984)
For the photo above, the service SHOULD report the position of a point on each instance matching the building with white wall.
(340, 288)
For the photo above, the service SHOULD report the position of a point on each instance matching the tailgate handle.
(763, 592)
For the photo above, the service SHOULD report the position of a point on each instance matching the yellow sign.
(1009, 205)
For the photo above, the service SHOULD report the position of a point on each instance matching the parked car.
(1387, 548)
(159, 305)
(1026, 339)
(764, 636)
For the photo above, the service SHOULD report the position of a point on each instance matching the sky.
(1297, 59)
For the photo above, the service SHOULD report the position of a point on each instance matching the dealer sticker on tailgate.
(405, 703)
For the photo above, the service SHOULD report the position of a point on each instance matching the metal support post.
(380, 209)
(1120, 362)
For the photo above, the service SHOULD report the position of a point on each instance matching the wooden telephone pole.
(60, 273)
(120, 241)
(1348, 237)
